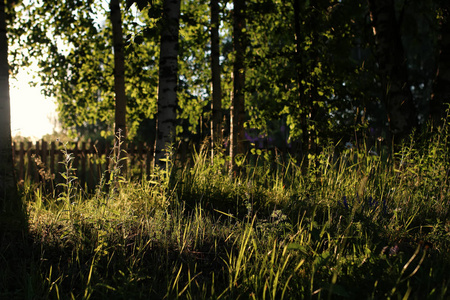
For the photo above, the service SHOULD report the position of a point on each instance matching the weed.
(354, 225)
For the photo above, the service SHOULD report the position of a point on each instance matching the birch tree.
(84, 68)
(168, 78)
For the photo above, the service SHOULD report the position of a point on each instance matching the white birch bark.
(168, 80)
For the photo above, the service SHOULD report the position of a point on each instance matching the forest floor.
(352, 225)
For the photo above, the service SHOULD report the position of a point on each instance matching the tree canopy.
(315, 71)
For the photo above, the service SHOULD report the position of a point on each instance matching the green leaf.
(297, 246)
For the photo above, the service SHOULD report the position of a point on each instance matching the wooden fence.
(42, 161)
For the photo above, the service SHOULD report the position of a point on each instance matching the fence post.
(140, 160)
(13, 151)
(52, 157)
(89, 170)
(93, 161)
(107, 152)
(29, 164)
(149, 158)
(21, 161)
(36, 154)
(130, 161)
(44, 152)
(60, 166)
(83, 164)
(76, 161)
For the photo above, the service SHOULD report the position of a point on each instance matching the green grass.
(351, 225)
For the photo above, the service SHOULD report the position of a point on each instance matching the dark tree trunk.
(441, 85)
(168, 80)
(237, 109)
(398, 98)
(303, 101)
(314, 58)
(12, 215)
(216, 104)
(119, 77)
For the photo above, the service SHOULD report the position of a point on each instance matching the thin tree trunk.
(303, 101)
(441, 84)
(168, 80)
(237, 108)
(119, 78)
(12, 216)
(314, 59)
(391, 58)
(216, 104)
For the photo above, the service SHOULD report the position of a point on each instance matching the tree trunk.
(12, 216)
(303, 101)
(314, 58)
(168, 80)
(391, 58)
(237, 108)
(216, 104)
(119, 78)
(441, 85)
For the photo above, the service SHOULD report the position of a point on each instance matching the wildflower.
(372, 202)
(344, 201)
(394, 250)
(390, 250)
(348, 145)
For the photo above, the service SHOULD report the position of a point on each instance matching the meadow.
(352, 224)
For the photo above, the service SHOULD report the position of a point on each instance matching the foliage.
(75, 39)
(352, 211)
(335, 69)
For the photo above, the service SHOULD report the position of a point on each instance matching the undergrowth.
(354, 225)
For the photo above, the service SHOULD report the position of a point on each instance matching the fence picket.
(91, 159)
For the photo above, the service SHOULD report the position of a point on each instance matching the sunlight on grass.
(355, 225)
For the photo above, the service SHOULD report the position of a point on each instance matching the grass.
(354, 226)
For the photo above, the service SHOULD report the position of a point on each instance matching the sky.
(32, 114)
